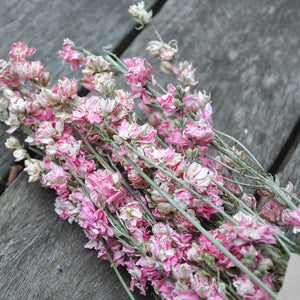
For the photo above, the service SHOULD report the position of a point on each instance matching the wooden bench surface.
(246, 54)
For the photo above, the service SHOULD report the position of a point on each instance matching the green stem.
(99, 158)
(244, 205)
(268, 182)
(226, 216)
(197, 225)
(239, 143)
(117, 271)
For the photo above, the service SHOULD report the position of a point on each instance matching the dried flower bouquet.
(166, 196)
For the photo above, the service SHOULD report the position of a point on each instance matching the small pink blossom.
(249, 229)
(249, 200)
(167, 103)
(200, 132)
(70, 55)
(131, 214)
(94, 221)
(68, 208)
(105, 188)
(272, 212)
(185, 73)
(20, 51)
(198, 176)
(95, 64)
(34, 168)
(140, 72)
(67, 88)
(67, 147)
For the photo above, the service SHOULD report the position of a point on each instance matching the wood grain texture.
(247, 55)
(34, 241)
(44, 25)
(291, 171)
(6, 157)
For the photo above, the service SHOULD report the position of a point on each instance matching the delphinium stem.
(117, 271)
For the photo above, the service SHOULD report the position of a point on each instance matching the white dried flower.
(12, 143)
(104, 83)
(95, 64)
(34, 168)
(139, 14)
(19, 154)
(163, 50)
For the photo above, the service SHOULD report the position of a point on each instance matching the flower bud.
(196, 152)
(166, 68)
(189, 153)
(178, 104)
(184, 121)
(177, 123)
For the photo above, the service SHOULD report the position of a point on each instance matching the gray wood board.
(44, 25)
(247, 55)
(34, 241)
(291, 172)
(6, 157)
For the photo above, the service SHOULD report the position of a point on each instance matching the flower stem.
(117, 271)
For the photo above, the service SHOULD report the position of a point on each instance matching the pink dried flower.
(70, 55)
(68, 208)
(249, 229)
(200, 132)
(185, 73)
(139, 72)
(167, 103)
(34, 168)
(57, 177)
(248, 290)
(48, 132)
(95, 64)
(20, 51)
(67, 88)
(131, 214)
(198, 176)
(33, 70)
(292, 217)
(94, 221)
(272, 212)
(67, 147)
(105, 188)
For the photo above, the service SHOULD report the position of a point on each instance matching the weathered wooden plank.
(291, 172)
(6, 158)
(246, 55)
(34, 241)
(44, 25)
